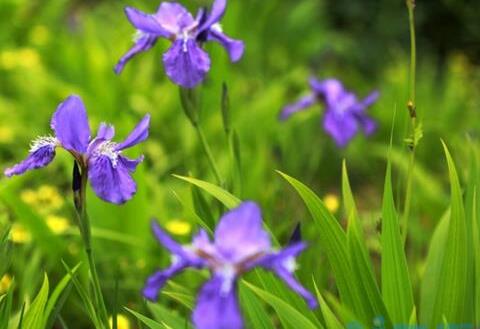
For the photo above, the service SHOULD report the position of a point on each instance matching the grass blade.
(396, 285)
(450, 299)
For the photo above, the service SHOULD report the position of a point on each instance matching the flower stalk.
(79, 185)
(411, 106)
(191, 108)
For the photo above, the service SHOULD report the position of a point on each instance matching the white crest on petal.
(217, 27)
(43, 141)
(107, 149)
(228, 273)
(290, 264)
(138, 35)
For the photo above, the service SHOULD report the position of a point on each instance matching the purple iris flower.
(186, 63)
(240, 244)
(109, 171)
(344, 114)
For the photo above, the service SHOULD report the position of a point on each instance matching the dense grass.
(49, 50)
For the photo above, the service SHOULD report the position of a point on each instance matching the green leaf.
(396, 286)
(6, 303)
(52, 301)
(334, 242)
(229, 200)
(34, 315)
(451, 294)
(254, 310)
(476, 256)
(290, 317)
(168, 317)
(152, 324)
(433, 269)
(331, 320)
(367, 285)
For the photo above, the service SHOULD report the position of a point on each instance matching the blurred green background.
(50, 49)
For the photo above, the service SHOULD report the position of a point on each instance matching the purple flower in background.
(344, 114)
(186, 63)
(109, 171)
(240, 244)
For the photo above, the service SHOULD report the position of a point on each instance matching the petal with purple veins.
(41, 154)
(130, 164)
(186, 64)
(137, 135)
(235, 48)
(240, 234)
(304, 103)
(217, 309)
(105, 131)
(173, 17)
(146, 23)
(70, 123)
(143, 43)
(111, 179)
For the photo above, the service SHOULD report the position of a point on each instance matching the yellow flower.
(5, 283)
(23, 57)
(29, 196)
(48, 199)
(122, 322)
(178, 227)
(331, 202)
(18, 234)
(57, 224)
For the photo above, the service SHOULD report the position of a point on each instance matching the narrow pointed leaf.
(396, 285)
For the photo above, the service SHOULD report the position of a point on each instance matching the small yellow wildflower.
(6, 134)
(122, 322)
(178, 227)
(29, 196)
(23, 57)
(5, 283)
(331, 202)
(57, 224)
(49, 199)
(18, 234)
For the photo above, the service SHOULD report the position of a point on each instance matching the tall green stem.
(411, 105)
(85, 231)
(206, 149)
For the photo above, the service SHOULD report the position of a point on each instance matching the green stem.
(85, 230)
(207, 151)
(411, 105)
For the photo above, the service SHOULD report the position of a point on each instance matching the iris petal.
(173, 17)
(304, 103)
(215, 15)
(38, 158)
(145, 23)
(144, 43)
(282, 264)
(240, 234)
(216, 309)
(341, 126)
(186, 63)
(235, 48)
(137, 135)
(111, 179)
(70, 123)
(157, 281)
